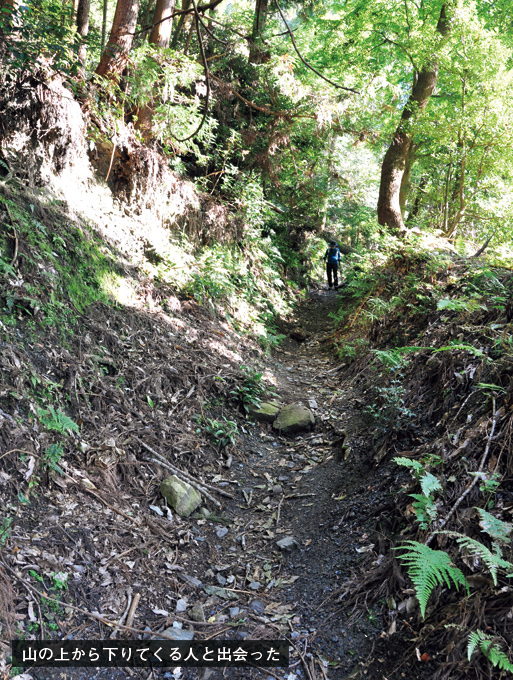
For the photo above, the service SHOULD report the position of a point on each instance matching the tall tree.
(399, 156)
(121, 38)
(83, 10)
(256, 52)
(160, 37)
(162, 23)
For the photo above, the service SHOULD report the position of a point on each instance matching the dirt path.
(231, 580)
(296, 487)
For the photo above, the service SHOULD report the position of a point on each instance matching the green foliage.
(222, 431)
(424, 505)
(5, 529)
(56, 420)
(489, 484)
(393, 358)
(489, 646)
(428, 569)
(494, 527)
(350, 351)
(493, 560)
(51, 457)
(251, 390)
(460, 305)
(389, 411)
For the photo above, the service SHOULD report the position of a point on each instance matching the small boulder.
(294, 418)
(177, 634)
(196, 613)
(266, 412)
(298, 334)
(181, 496)
(287, 543)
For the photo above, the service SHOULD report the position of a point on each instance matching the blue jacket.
(332, 255)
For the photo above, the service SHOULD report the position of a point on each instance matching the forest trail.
(233, 580)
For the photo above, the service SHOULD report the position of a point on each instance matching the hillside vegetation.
(169, 179)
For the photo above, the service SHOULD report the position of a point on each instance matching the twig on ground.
(303, 660)
(124, 614)
(15, 256)
(443, 523)
(131, 611)
(91, 615)
(186, 476)
(29, 453)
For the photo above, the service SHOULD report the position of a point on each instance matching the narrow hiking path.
(308, 489)
(227, 577)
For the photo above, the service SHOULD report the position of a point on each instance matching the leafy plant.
(5, 529)
(56, 420)
(390, 411)
(490, 648)
(251, 390)
(424, 505)
(493, 560)
(429, 568)
(223, 431)
(463, 304)
(494, 527)
(51, 459)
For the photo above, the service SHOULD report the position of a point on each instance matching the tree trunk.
(160, 36)
(82, 30)
(121, 38)
(257, 55)
(396, 158)
(186, 4)
(405, 188)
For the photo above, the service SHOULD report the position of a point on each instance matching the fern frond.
(490, 649)
(493, 560)
(496, 528)
(429, 483)
(56, 420)
(429, 568)
(408, 462)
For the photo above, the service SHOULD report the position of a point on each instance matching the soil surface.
(308, 487)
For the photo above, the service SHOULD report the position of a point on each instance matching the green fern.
(493, 560)
(429, 484)
(424, 505)
(429, 568)
(56, 420)
(485, 643)
(425, 509)
(496, 528)
(408, 462)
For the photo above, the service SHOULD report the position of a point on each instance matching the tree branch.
(263, 109)
(340, 87)
(207, 79)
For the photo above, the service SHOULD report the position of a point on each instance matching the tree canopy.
(300, 105)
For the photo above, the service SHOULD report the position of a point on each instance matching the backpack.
(333, 255)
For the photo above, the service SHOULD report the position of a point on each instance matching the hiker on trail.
(332, 257)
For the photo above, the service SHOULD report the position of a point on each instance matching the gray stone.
(255, 585)
(277, 488)
(221, 532)
(257, 607)
(177, 634)
(266, 412)
(181, 496)
(221, 580)
(294, 418)
(234, 612)
(221, 592)
(196, 613)
(181, 605)
(287, 543)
